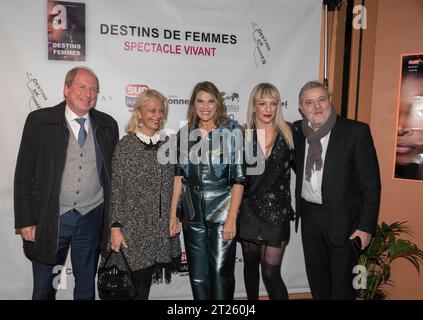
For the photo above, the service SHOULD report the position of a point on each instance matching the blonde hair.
(263, 91)
(210, 88)
(145, 96)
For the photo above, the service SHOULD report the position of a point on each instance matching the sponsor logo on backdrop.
(166, 41)
(38, 96)
(103, 100)
(231, 101)
(176, 100)
(132, 91)
(66, 30)
(262, 46)
(183, 267)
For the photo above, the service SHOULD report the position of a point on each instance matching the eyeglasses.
(208, 102)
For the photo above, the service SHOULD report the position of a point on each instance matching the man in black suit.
(337, 192)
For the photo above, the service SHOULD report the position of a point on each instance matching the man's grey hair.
(312, 85)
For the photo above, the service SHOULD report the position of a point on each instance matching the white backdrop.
(269, 40)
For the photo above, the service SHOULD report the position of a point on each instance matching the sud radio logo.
(132, 91)
(183, 266)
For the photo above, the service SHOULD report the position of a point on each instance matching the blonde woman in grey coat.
(141, 195)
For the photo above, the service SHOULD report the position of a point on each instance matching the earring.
(139, 123)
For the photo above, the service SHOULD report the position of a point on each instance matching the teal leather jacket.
(209, 166)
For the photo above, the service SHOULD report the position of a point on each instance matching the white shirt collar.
(74, 126)
(146, 139)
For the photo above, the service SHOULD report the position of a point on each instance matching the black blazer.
(350, 182)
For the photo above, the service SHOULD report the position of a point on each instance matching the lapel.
(299, 172)
(333, 148)
(300, 159)
(95, 121)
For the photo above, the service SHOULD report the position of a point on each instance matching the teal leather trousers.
(211, 261)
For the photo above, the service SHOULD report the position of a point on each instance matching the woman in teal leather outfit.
(209, 183)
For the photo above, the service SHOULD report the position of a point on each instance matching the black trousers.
(329, 268)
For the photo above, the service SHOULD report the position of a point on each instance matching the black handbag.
(113, 283)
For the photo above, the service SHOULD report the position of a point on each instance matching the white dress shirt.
(74, 125)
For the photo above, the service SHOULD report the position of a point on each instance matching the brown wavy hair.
(210, 88)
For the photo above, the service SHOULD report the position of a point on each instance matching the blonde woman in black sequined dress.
(266, 212)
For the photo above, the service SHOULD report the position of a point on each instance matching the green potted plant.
(385, 247)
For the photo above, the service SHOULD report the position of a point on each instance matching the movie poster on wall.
(66, 30)
(408, 162)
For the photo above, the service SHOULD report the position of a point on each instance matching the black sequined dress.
(266, 209)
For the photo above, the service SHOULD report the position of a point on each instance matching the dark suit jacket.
(39, 169)
(350, 182)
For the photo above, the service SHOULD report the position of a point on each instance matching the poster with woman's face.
(409, 140)
(66, 30)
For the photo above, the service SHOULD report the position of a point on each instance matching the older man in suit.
(62, 185)
(337, 192)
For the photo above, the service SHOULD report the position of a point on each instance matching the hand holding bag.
(114, 283)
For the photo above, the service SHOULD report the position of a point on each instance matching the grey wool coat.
(141, 194)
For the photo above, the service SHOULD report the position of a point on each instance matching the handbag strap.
(108, 257)
(123, 257)
(126, 262)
